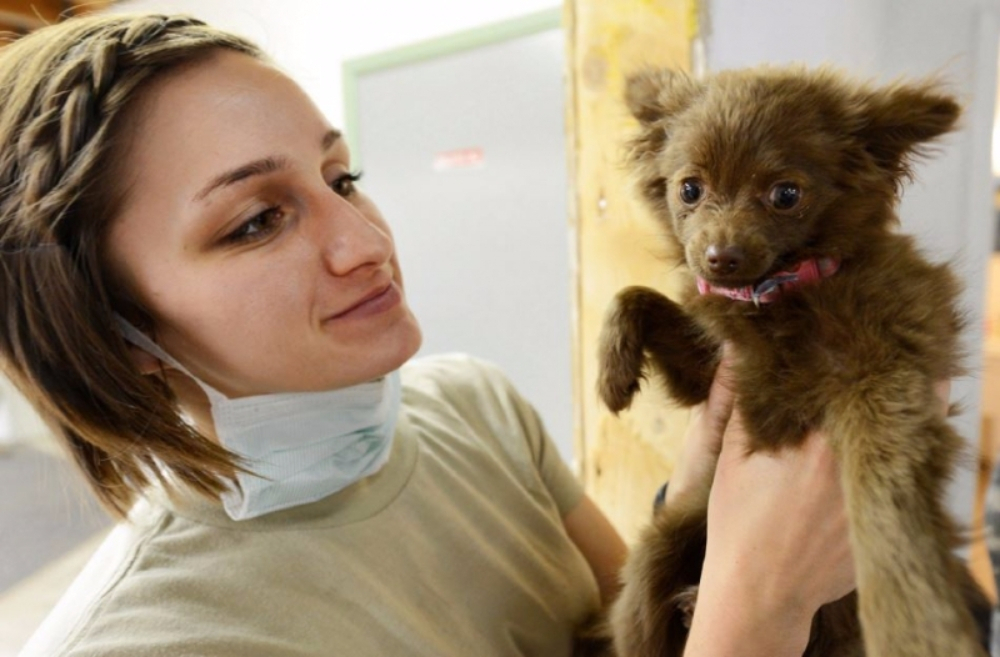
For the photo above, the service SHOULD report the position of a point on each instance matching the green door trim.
(353, 69)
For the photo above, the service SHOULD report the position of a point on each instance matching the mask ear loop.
(143, 341)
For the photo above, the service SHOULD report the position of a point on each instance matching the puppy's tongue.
(804, 272)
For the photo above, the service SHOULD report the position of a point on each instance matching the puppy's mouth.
(739, 279)
(734, 264)
(732, 282)
(769, 286)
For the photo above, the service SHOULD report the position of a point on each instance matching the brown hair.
(66, 92)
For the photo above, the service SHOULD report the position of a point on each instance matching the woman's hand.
(778, 544)
(695, 468)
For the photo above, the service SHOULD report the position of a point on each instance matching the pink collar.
(807, 271)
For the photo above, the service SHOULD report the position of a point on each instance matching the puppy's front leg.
(894, 459)
(643, 323)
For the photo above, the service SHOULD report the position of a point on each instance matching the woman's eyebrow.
(255, 168)
(330, 137)
(259, 167)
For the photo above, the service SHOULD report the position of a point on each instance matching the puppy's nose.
(724, 259)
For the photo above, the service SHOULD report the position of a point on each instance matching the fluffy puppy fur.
(751, 173)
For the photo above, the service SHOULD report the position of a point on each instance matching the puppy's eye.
(691, 190)
(785, 195)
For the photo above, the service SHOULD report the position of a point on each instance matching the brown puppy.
(777, 190)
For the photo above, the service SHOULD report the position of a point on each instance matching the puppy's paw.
(617, 398)
(621, 355)
(618, 384)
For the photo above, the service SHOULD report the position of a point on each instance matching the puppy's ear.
(899, 120)
(653, 95)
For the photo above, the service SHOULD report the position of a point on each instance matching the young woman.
(212, 318)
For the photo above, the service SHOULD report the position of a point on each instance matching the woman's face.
(265, 269)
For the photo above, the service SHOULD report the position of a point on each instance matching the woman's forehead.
(225, 110)
(215, 116)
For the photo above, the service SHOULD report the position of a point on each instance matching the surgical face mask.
(300, 446)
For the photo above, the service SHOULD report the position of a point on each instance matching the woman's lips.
(376, 302)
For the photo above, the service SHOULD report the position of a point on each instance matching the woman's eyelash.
(344, 184)
(257, 227)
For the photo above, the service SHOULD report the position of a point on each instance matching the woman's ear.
(143, 357)
(144, 361)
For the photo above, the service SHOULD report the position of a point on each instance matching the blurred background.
(474, 123)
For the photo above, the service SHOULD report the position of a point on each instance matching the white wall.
(950, 204)
(310, 39)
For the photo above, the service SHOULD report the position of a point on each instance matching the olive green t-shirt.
(456, 548)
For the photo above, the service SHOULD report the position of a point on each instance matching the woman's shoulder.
(474, 397)
(95, 583)
(457, 378)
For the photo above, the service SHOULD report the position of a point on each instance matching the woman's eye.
(691, 190)
(785, 195)
(257, 227)
(344, 184)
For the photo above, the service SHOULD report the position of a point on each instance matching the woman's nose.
(349, 239)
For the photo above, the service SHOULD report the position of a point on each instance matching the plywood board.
(623, 460)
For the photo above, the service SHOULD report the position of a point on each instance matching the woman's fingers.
(703, 441)
(721, 397)
(943, 390)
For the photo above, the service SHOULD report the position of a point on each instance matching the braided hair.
(66, 92)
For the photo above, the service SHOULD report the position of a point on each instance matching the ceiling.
(23, 16)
